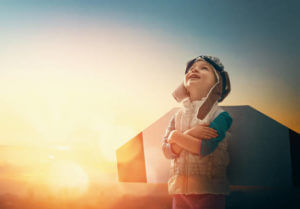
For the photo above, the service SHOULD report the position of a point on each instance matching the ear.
(180, 93)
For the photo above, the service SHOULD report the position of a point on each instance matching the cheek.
(211, 78)
(211, 81)
(214, 79)
(185, 80)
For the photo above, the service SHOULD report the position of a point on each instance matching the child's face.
(200, 76)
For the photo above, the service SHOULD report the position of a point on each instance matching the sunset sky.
(96, 73)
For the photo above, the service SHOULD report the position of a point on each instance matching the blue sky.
(251, 30)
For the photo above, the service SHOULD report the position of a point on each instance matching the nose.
(194, 70)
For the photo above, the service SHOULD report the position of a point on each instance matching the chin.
(197, 85)
(194, 83)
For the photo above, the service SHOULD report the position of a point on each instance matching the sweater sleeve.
(166, 147)
(221, 123)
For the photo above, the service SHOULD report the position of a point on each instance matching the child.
(194, 140)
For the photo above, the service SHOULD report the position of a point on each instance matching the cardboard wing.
(262, 152)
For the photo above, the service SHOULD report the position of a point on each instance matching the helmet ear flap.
(211, 99)
(227, 86)
(180, 92)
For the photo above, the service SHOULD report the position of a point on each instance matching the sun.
(67, 179)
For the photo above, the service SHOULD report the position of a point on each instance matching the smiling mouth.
(193, 76)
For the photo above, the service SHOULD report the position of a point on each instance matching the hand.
(172, 136)
(176, 148)
(202, 131)
(171, 139)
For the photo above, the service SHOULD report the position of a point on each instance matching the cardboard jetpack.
(262, 152)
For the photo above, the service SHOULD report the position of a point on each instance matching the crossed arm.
(198, 140)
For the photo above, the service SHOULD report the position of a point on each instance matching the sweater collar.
(189, 104)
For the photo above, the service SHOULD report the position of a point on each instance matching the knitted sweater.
(204, 173)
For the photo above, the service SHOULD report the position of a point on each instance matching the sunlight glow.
(67, 179)
(112, 137)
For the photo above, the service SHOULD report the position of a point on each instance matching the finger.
(215, 133)
(209, 136)
(212, 134)
(211, 130)
(206, 136)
